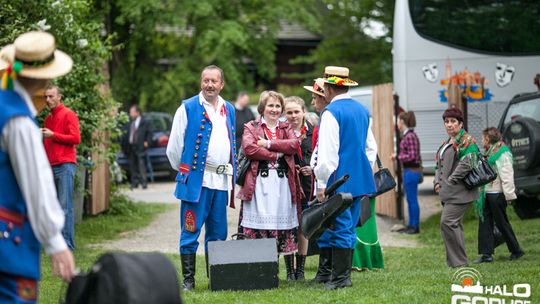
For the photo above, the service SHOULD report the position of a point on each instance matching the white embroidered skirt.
(271, 207)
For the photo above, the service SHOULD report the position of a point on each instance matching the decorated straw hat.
(34, 55)
(338, 76)
(317, 88)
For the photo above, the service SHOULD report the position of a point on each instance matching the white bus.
(492, 48)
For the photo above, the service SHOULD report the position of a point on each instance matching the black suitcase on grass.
(127, 278)
(243, 264)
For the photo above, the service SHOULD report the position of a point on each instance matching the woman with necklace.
(272, 188)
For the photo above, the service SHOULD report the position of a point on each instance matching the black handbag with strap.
(384, 181)
(481, 175)
(244, 164)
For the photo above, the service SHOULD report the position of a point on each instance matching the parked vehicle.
(435, 42)
(157, 161)
(520, 126)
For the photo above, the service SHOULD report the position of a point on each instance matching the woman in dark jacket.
(456, 157)
(295, 110)
(272, 188)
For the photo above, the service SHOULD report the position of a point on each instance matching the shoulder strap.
(379, 164)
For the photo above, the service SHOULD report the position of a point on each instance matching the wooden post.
(383, 129)
(399, 196)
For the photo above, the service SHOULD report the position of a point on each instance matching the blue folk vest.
(353, 120)
(196, 139)
(19, 248)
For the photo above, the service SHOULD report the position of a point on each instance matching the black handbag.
(481, 175)
(384, 181)
(244, 164)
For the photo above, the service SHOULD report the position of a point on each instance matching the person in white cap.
(30, 214)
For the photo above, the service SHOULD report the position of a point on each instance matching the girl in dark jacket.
(295, 110)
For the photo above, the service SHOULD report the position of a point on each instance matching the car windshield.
(529, 108)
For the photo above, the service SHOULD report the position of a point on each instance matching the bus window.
(493, 27)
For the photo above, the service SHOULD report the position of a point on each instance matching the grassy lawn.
(412, 275)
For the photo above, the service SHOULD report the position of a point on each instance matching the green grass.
(123, 216)
(412, 275)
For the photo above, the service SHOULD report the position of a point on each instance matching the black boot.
(188, 271)
(300, 262)
(206, 260)
(289, 265)
(341, 269)
(325, 265)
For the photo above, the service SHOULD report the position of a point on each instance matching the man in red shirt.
(61, 134)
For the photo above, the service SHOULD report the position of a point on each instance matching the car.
(157, 161)
(520, 127)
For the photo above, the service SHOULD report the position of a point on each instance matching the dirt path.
(163, 233)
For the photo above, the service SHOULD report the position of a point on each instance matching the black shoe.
(325, 266)
(188, 271)
(484, 258)
(515, 256)
(411, 230)
(289, 265)
(144, 186)
(341, 269)
(300, 262)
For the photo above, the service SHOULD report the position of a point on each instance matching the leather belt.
(226, 169)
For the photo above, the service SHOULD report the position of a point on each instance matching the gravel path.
(163, 233)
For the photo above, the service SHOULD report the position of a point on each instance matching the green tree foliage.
(349, 40)
(77, 33)
(161, 46)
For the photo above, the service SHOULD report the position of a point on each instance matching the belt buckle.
(221, 169)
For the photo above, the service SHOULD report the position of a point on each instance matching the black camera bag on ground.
(127, 278)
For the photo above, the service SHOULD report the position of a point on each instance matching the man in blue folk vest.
(30, 213)
(202, 147)
(343, 138)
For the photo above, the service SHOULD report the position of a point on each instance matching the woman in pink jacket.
(272, 188)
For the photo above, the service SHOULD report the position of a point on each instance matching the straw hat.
(317, 88)
(38, 54)
(338, 76)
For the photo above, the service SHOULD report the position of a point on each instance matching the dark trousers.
(495, 214)
(137, 167)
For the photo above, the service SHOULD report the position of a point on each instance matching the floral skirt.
(287, 240)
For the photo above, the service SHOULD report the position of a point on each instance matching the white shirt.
(23, 141)
(327, 157)
(219, 139)
(137, 122)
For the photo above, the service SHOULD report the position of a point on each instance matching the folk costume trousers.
(343, 232)
(17, 290)
(210, 210)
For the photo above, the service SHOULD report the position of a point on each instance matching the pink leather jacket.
(287, 143)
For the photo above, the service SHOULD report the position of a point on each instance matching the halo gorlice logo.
(466, 289)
